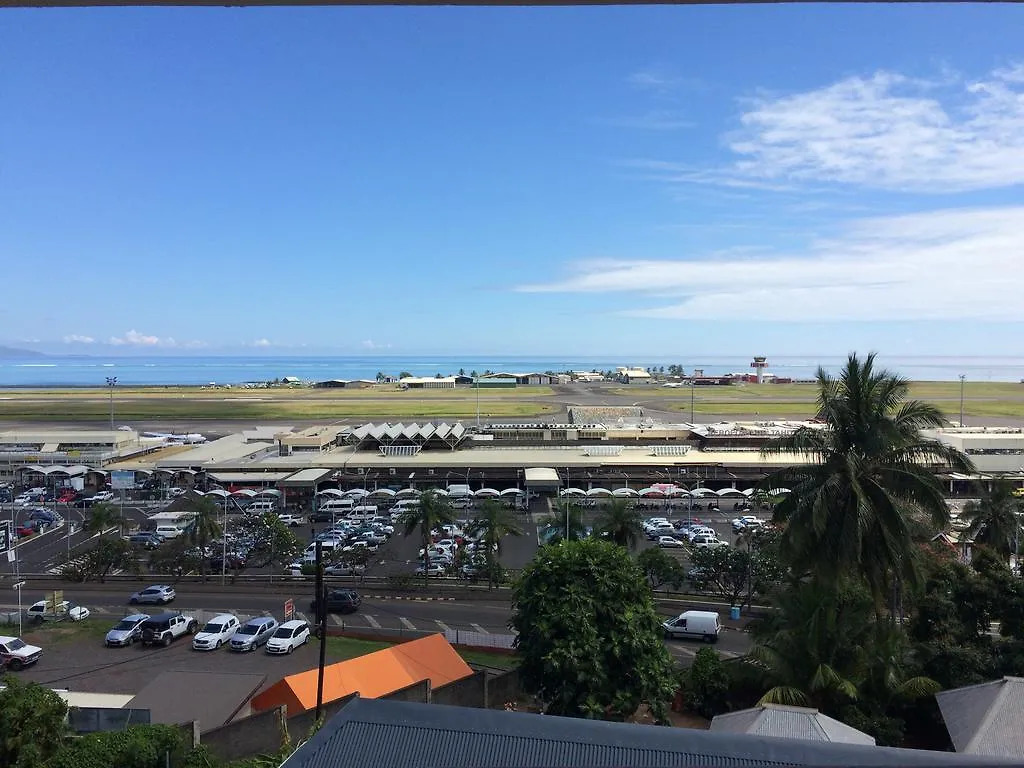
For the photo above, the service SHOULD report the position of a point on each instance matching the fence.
(479, 639)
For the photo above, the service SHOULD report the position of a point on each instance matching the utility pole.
(692, 385)
(962, 378)
(321, 617)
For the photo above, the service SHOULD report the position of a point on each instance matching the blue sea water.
(51, 371)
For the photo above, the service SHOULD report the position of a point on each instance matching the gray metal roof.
(212, 698)
(789, 723)
(986, 719)
(377, 732)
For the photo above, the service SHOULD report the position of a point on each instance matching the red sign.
(289, 609)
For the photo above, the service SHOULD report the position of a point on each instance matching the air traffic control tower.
(760, 363)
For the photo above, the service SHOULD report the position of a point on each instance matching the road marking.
(337, 620)
(406, 623)
(101, 609)
(442, 625)
(300, 616)
(371, 620)
(479, 629)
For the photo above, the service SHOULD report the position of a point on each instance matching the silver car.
(127, 631)
(160, 594)
(254, 633)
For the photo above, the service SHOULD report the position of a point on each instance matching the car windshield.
(249, 629)
(16, 645)
(283, 632)
(212, 627)
(126, 624)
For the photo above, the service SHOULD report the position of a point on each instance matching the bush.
(706, 685)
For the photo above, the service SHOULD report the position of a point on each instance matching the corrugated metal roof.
(789, 723)
(409, 735)
(986, 719)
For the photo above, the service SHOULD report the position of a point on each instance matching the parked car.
(148, 540)
(173, 493)
(160, 594)
(338, 601)
(25, 530)
(706, 542)
(169, 531)
(66, 497)
(44, 514)
(235, 561)
(216, 632)
(127, 631)
(84, 503)
(703, 625)
(166, 627)
(254, 633)
(669, 542)
(345, 569)
(288, 637)
(434, 569)
(44, 611)
(293, 521)
(103, 496)
(16, 654)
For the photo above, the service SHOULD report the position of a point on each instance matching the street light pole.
(691, 399)
(962, 377)
(111, 383)
(18, 585)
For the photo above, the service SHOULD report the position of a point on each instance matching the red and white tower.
(760, 363)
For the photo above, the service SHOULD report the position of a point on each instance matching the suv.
(217, 631)
(288, 637)
(291, 520)
(47, 611)
(160, 594)
(149, 540)
(162, 629)
(338, 601)
(15, 653)
(127, 631)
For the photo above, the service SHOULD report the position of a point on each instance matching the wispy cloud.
(938, 265)
(263, 343)
(134, 339)
(77, 338)
(370, 344)
(886, 131)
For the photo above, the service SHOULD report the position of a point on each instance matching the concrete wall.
(300, 726)
(419, 692)
(502, 688)
(257, 735)
(468, 692)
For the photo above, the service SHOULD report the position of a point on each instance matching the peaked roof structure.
(789, 723)
(986, 719)
(372, 675)
(400, 734)
(427, 435)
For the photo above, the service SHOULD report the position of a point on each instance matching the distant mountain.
(13, 353)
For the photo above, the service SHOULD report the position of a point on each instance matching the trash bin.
(734, 613)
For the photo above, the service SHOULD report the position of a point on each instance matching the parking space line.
(406, 623)
(479, 629)
(371, 620)
(336, 620)
(300, 616)
(444, 627)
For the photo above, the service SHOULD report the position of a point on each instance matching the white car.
(706, 542)
(103, 496)
(288, 637)
(216, 633)
(291, 520)
(435, 569)
(16, 654)
(64, 610)
(173, 493)
(669, 542)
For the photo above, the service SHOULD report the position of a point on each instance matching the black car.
(339, 601)
(321, 517)
(83, 503)
(147, 540)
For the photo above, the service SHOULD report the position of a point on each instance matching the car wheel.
(133, 601)
(290, 649)
(166, 641)
(192, 627)
(15, 664)
(217, 645)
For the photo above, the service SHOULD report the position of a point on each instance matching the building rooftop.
(986, 719)
(789, 723)
(231, 447)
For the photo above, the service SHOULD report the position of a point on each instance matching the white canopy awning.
(381, 492)
(408, 492)
(572, 492)
(599, 492)
(620, 492)
(357, 492)
(491, 492)
(247, 492)
(779, 491)
(513, 492)
(269, 492)
(730, 492)
(218, 492)
(330, 492)
(704, 492)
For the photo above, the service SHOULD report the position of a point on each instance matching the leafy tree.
(494, 523)
(620, 522)
(706, 684)
(97, 563)
(380, 376)
(566, 522)
(660, 568)
(995, 518)
(273, 543)
(32, 726)
(138, 746)
(869, 474)
(176, 558)
(405, 375)
(589, 637)
(434, 510)
(204, 527)
(102, 517)
(727, 571)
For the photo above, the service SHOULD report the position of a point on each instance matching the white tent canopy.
(512, 492)
(572, 492)
(218, 492)
(269, 492)
(487, 492)
(779, 491)
(703, 492)
(599, 492)
(357, 492)
(381, 492)
(247, 492)
(730, 492)
(437, 491)
(330, 492)
(408, 492)
(621, 492)
(651, 492)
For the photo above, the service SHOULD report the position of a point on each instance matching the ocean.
(54, 371)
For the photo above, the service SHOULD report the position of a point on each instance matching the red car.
(25, 530)
(66, 497)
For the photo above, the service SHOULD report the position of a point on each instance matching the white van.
(363, 513)
(336, 505)
(327, 547)
(702, 625)
(259, 507)
(169, 531)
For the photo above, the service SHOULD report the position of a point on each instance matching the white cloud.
(886, 131)
(76, 338)
(370, 344)
(960, 263)
(135, 339)
(262, 343)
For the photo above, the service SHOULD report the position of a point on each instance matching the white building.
(417, 382)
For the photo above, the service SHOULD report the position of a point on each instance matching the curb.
(413, 599)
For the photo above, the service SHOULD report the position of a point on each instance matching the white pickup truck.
(167, 627)
(16, 654)
(292, 520)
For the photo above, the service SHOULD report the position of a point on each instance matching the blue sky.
(772, 179)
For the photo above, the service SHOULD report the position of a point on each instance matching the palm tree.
(565, 523)
(869, 472)
(620, 523)
(995, 519)
(101, 517)
(434, 509)
(204, 527)
(494, 523)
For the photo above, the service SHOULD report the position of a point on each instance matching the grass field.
(385, 391)
(350, 647)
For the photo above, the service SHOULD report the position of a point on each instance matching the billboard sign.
(122, 479)
(6, 540)
(289, 609)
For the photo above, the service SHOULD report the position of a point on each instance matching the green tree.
(32, 726)
(706, 684)
(996, 518)
(869, 472)
(493, 524)
(380, 376)
(204, 527)
(434, 510)
(138, 746)
(405, 375)
(273, 544)
(97, 563)
(589, 638)
(102, 517)
(727, 571)
(620, 522)
(175, 558)
(566, 522)
(660, 568)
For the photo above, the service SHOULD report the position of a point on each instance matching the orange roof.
(371, 676)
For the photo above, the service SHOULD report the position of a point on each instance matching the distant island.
(13, 353)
